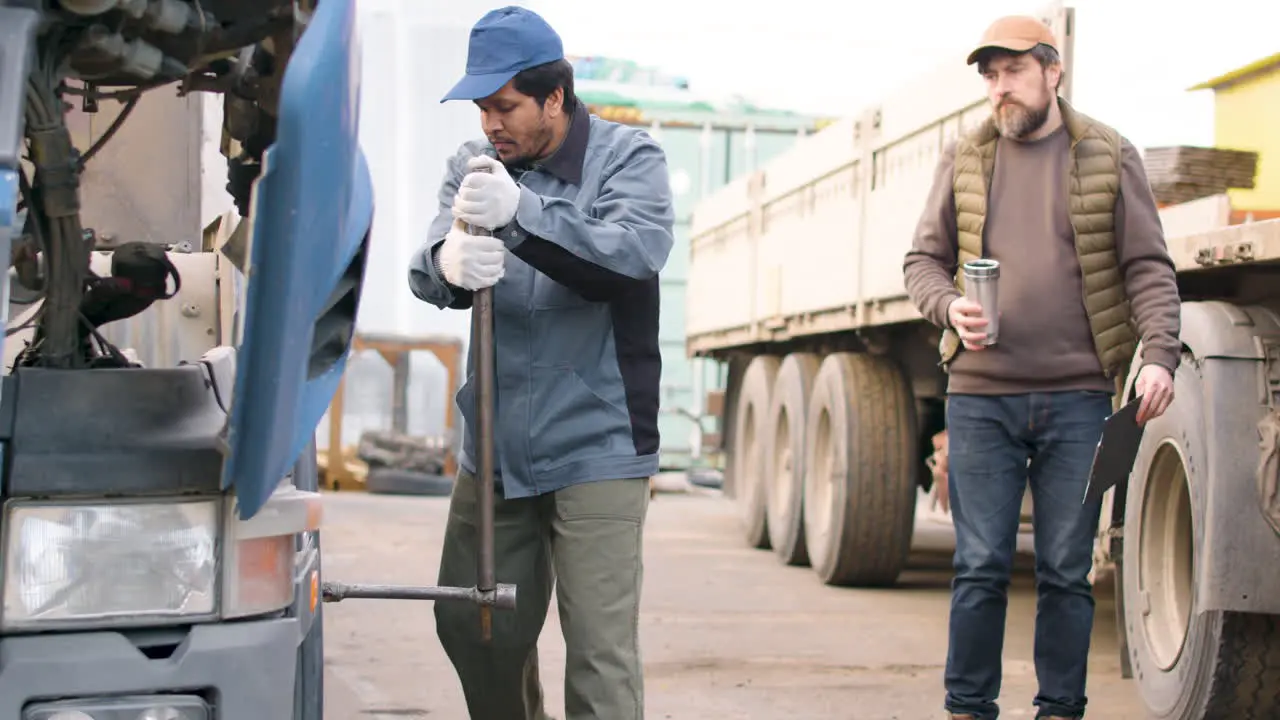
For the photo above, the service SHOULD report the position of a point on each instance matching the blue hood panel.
(17, 38)
(312, 212)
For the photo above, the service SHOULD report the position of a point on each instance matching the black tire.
(861, 463)
(784, 456)
(728, 423)
(750, 417)
(1188, 664)
(390, 481)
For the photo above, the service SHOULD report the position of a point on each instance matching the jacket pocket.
(570, 422)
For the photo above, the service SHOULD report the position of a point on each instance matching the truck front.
(159, 553)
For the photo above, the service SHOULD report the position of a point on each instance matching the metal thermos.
(981, 284)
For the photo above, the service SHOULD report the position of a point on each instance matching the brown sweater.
(1045, 343)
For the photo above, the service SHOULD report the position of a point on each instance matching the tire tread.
(1246, 679)
(880, 516)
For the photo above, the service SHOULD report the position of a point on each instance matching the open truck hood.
(311, 217)
(17, 35)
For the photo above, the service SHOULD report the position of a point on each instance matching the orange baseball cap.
(1017, 33)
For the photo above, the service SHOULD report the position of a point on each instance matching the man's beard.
(1016, 121)
(532, 151)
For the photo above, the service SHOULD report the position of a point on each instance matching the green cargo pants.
(584, 540)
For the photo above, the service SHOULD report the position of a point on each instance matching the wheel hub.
(1165, 557)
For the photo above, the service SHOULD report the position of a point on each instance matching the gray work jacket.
(576, 313)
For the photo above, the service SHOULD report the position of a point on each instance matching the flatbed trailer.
(834, 392)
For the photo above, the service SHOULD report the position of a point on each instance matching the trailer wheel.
(784, 456)
(1188, 664)
(861, 460)
(729, 421)
(748, 448)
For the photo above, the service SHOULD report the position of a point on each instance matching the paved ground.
(729, 634)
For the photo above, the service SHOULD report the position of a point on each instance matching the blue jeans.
(990, 441)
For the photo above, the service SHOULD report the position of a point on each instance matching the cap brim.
(1011, 45)
(475, 87)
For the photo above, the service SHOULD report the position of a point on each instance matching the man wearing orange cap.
(1062, 202)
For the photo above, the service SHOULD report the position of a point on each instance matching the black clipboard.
(1116, 452)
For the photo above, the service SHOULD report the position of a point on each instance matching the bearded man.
(1062, 202)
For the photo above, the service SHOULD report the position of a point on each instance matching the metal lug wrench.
(487, 593)
(482, 331)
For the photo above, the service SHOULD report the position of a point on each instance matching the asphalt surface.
(728, 632)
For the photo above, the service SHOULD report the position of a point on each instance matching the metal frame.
(447, 349)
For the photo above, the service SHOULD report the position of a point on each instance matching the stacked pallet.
(1184, 173)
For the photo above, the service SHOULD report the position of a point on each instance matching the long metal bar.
(482, 331)
(502, 597)
(487, 593)
(482, 317)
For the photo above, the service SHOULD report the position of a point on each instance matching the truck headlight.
(123, 560)
(144, 707)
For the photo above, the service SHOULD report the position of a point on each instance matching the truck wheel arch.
(1208, 437)
(1216, 329)
(1210, 329)
(1223, 344)
(1189, 660)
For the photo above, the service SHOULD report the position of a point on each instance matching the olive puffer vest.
(1094, 183)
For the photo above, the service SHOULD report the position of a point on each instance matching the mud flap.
(1269, 469)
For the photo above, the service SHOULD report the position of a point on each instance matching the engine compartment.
(56, 55)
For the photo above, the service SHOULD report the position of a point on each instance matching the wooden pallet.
(1184, 173)
(354, 475)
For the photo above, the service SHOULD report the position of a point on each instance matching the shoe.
(962, 717)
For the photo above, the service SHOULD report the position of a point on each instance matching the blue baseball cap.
(504, 42)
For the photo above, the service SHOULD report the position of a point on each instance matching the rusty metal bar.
(482, 331)
(482, 317)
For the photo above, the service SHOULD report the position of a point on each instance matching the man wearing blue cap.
(581, 215)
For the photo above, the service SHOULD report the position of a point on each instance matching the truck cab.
(160, 526)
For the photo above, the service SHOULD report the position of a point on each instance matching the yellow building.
(1247, 117)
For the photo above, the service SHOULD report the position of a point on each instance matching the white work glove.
(488, 196)
(471, 262)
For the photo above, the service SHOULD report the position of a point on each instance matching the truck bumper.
(244, 669)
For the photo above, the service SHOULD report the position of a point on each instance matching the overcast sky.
(1134, 58)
